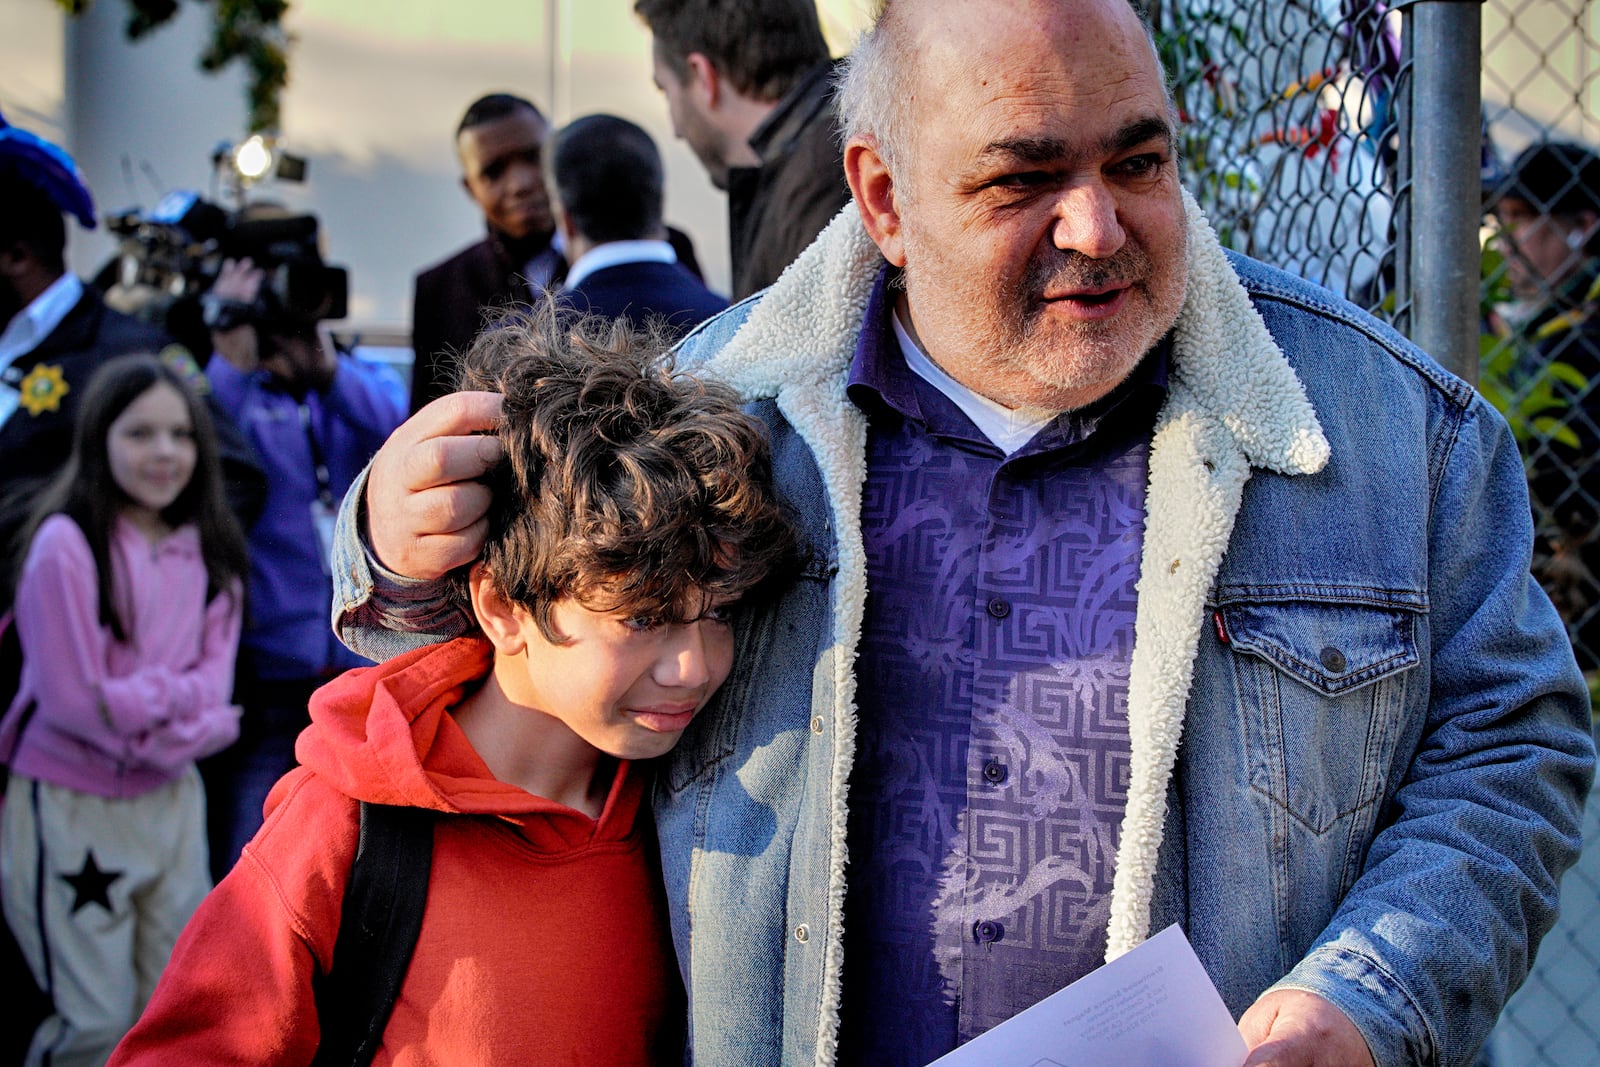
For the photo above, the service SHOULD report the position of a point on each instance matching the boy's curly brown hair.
(628, 485)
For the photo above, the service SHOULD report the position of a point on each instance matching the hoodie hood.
(384, 734)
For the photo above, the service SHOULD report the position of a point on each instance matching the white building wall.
(376, 89)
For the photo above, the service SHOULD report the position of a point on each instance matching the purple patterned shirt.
(992, 753)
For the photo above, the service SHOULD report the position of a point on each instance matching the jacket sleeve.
(229, 385)
(238, 987)
(1461, 884)
(377, 613)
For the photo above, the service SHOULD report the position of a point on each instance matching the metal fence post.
(1445, 38)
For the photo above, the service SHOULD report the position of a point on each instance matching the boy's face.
(625, 688)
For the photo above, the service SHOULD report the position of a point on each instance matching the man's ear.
(1588, 222)
(873, 187)
(503, 623)
(704, 80)
(559, 215)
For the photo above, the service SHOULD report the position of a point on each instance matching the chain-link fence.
(1305, 124)
(1541, 366)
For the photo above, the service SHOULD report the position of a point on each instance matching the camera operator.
(315, 417)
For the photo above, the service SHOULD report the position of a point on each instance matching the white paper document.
(1152, 1007)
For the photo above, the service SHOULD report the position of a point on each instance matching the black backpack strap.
(378, 927)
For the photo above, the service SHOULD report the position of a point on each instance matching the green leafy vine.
(249, 31)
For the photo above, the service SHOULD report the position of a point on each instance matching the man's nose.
(1086, 220)
(525, 176)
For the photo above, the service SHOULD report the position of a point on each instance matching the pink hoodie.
(117, 719)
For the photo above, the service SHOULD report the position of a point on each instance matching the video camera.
(169, 260)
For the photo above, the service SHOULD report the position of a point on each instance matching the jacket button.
(987, 932)
(1333, 659)
(995, 772)
(802, 933)
(816, 724)
(999, 607)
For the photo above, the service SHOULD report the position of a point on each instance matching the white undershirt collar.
(29, 327)
(615, 254)
(1008, 428)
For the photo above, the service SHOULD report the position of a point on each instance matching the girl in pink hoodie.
(128, 610)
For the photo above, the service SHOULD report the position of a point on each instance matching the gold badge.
(43, 389)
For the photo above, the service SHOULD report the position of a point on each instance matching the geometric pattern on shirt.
(948, 687)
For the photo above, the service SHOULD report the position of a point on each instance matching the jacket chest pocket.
(1323, 689)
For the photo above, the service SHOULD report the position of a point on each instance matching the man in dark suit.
(499, 142)
(606, 189)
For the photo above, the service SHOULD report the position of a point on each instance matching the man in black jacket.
(749, 85)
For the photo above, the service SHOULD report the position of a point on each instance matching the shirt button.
(995, 772)
(999, 608)
(802, 933)
(1333, 659)
(987, 932)
(816, 725)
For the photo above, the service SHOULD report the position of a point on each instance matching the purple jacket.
(338, 429)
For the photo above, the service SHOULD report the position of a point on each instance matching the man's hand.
(426, 515)
(238, 281)
(1292, 1028)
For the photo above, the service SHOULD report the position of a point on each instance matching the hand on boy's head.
(425, 509)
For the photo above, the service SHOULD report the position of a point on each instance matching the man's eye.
(1028, 179)
(1141, 165)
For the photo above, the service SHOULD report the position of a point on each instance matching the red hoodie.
(545, 936)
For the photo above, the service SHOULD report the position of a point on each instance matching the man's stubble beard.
(1066, 359)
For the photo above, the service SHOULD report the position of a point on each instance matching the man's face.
(500, 168)
(1539, 257)
(690, 123)
(1042, 225)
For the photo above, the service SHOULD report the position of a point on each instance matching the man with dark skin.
(500, 144)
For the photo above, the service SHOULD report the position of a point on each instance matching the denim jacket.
(1360, 741)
